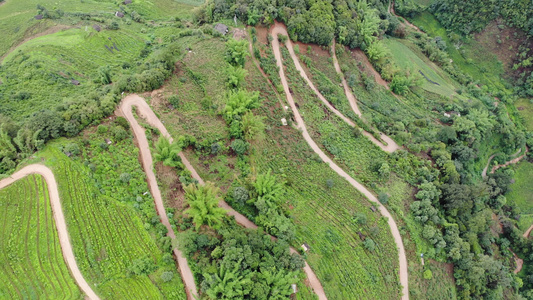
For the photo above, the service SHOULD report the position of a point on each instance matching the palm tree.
(203, 202)
(167, 153)
(227, 284)
(279, 282)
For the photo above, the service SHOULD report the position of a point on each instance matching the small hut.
(38, 17)
(97, 28)
(305, 247)
(119, 14)
(223, 29)
(75, 82)
(126, 2)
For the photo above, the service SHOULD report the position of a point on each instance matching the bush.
(125, 177)
(167, 276)
(369, 244)
(72, 148)
(141, 266)
(241, 195)
(174, 100)
(239, 146)
(102, 129)
(383, 198)
(428, 275)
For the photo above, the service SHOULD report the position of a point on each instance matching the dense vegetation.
(31, 258)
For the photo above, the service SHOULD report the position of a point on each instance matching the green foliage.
(167, 276)
(203, 205)
(252, 126)
(236, 52)
(239, 102)
(141, 266)
(236, 75)
(168, 153)
(239, 146)
(428, 275)
(30, 245)
(174, 100)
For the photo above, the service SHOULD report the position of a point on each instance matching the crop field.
(525, 110)
(199, 84)
(18, 24)
(521, 192)
(31, 261)
(471, 57)
(409, 60)
(108, 234)
(58, 58)
(325, 216)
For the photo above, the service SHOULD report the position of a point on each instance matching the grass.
(414, 62)
(31, 261)
(521, 192)
(111, 223)
(17, 22)
(525, 111)
(361, 159)
(471, 57)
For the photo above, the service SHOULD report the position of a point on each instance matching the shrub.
(174, 100)
(369, 244)
(241, 195)
(383, 198)
(428, 275)
(72, 148)
(125, 177)
(167, 276)
(102, 129)
(239, 146)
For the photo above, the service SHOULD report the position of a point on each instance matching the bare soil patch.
(359, 55)
(503, 41)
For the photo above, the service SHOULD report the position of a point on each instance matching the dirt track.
(146, 113)
(279, 29)
(59, 218)
(391, 145)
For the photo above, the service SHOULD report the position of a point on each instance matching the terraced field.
(107, 235)
(31, 262)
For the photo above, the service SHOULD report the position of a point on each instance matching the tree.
(236, 75)
(167, 153)
(239, 146)
(252, 126)
(227, 284)
(240, 102)
(236, 52)
(167, 276)
(203, 205)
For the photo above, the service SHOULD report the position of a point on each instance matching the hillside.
(253, 150)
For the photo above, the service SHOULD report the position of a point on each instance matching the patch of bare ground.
(168, 177)
(315, 49)
(239, 34)
(262, 34)
(35, 32)
(367, 67)
(504, 41)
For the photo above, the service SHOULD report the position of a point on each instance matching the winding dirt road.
(145, 112)
(391, 146)
(393, 12)
(512, 161)
(277, 29)
(59, 218)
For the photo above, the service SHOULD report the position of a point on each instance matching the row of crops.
(107, 233)
(31, 261)
(323, 207)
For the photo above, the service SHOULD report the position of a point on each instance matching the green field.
(521, 192)
(471, 57)
(411, 60)
(31, 261)
(525, 110)
(107, 232)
